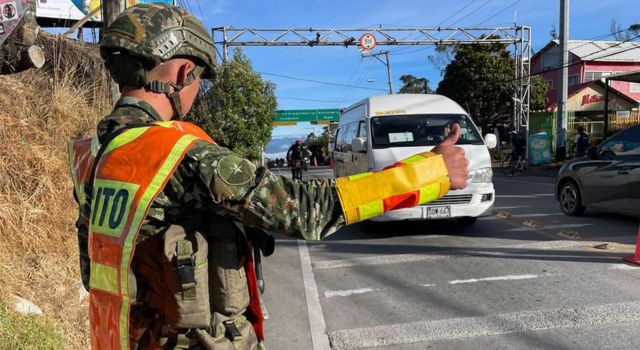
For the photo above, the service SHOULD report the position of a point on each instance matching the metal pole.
(606, 108)
(561, 122)
(110, 10)
(386, 54)
(225, 51)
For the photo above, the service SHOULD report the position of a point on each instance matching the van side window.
(336, 142)
(362, 129)
(349, 135)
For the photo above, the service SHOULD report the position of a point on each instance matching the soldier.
(163, 209)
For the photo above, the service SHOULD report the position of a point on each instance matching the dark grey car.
(608, 178)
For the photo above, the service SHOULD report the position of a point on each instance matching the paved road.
(530, 281)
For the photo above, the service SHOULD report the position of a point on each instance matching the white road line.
(537, 195)
(376, 260)
(548, 227)
(532, 215)
(512, 207)
(445, 254)
(498, 278)
(507, 323)
(346, 293)
(624, 267)
(314, 310)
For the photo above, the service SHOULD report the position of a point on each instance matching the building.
(590, 62)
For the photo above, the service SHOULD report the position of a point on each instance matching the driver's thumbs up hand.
(454, 159)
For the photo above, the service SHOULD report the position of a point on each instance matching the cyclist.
(296, 153)
(517, 145)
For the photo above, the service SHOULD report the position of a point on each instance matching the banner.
(540, 148)
(12, 12)
(75, 10)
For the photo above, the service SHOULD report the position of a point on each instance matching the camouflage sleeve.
(83, 246)
(258, 198)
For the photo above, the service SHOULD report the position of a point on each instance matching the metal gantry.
(519, 36)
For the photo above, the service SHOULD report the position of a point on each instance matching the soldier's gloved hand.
(454, 159)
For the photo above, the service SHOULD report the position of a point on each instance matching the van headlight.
(482, 175)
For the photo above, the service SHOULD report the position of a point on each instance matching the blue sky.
(588, 18)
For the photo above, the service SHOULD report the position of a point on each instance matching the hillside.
(40, 111)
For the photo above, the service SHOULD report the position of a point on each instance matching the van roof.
(409, 104)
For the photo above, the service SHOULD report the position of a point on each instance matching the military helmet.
(148, 34)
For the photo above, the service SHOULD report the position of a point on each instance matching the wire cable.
(320, 81)
(498, 13)
(472, 12)
(456, 13)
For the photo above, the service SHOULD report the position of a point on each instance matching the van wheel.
(467, 220)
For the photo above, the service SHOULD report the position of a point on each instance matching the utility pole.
(110, 10)
(386, 63)
(561, 119)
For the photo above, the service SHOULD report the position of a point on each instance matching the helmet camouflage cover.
(148, 34)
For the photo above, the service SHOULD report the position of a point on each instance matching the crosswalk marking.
(506, 323)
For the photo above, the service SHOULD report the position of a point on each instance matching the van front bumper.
(471, 202)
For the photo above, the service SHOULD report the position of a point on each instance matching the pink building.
(589, 61)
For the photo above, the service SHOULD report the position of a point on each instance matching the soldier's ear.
(183, 72)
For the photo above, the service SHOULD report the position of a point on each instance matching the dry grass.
(40, 111)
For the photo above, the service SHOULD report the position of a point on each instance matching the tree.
(237, 108)
(539, 90)
(480, 79)
(413, 85)
(624, 34)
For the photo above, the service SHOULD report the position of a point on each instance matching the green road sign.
(308, 115)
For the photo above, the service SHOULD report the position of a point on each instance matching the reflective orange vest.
(132, 171)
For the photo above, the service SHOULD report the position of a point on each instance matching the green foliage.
(18, 332)
(237, 108)
(539, 89)
(480, 79)
(413, 85)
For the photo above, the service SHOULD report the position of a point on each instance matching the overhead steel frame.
(519, 36)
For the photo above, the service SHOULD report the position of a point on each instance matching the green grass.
(18, 332)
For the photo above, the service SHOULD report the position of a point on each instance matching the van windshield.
(421, 130)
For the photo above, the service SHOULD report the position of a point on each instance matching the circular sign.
(367, 42)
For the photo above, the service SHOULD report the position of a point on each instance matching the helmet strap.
(161, 87)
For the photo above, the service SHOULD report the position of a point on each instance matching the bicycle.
(297, 168)
(517, 167)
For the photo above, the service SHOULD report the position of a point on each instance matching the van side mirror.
(491, 141)
(359, 144)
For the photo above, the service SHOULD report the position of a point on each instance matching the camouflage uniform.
(213, 180)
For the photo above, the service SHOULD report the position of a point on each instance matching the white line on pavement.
(537, 195)
(376, 260)
(548, 227)
(314, 310)
(624, 267)
(498, 278)
(346, 293)
(506, 323)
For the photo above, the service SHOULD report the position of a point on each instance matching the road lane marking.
(548, 227)
(346, 293)
(624, 267)
(512, 207)
(532, 215)
(445, 254)
(499, 324)
(497, 278)
(536, 195)
(319, 337)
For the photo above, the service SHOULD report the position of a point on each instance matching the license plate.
(438, 212)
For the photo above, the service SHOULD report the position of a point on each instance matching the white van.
(381, 130)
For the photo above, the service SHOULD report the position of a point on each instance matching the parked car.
(608, 178)
(382, 130)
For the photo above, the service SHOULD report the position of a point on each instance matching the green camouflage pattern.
(158, 32)
(221, 187)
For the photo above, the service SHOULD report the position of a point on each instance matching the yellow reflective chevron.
(370, 210)
(125, 138)
(104, 277)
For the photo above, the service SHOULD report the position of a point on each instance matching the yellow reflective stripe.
(413, 159)
(391, 182)
(165, 124)
(370, 210)
(104, 277)
(145, 201)
(429, 193)
(125, 138)
(359, 176)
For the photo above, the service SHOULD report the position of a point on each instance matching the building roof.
(601, 51)
(552, 95)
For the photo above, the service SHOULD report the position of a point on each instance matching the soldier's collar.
(138, 103)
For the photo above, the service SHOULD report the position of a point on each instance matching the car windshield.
(624, 143)
(421, 130)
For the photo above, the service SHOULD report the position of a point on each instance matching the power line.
(456, 13)
(353, 74)
(499, 13)
(472, 12)
(320, 81)
(308, 99)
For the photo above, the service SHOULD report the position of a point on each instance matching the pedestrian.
(582, 142)
(562, 145)
(166, 215)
